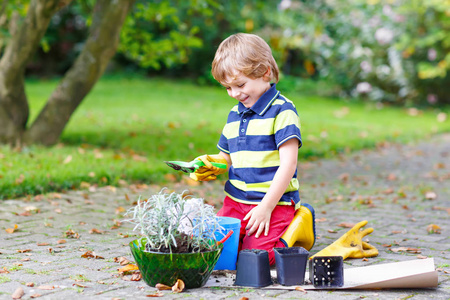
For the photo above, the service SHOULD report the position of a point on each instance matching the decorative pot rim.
(136, 241)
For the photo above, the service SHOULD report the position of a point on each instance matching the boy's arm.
(260, 215)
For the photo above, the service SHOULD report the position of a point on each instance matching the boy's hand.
(209, 172)
(259, 221)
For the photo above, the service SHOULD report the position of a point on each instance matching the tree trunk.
(101, 45)
(25, 38)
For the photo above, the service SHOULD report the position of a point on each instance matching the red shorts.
(281, 217)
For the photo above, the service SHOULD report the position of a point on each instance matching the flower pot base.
(193, 268)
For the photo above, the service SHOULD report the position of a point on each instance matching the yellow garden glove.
(209, 172)
(350, 245)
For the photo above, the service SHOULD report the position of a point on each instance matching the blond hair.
(245, 53)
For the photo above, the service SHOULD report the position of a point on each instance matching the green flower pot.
(156, 267)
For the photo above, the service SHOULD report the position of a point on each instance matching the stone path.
(400, 190)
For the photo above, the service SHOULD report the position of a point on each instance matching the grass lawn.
(126, 128)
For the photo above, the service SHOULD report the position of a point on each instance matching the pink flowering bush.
(394, 51)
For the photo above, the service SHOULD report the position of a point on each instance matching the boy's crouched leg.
(302, 230)
(279, 221)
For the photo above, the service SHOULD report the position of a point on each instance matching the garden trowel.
(189, 167)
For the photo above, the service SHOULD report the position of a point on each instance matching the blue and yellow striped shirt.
(252, 137)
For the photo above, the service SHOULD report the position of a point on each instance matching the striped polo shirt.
(252, 137)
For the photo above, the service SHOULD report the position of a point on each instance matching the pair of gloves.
(208, 172)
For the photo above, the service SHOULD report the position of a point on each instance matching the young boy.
(260, 145)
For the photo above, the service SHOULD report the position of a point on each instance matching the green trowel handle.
(198, 163)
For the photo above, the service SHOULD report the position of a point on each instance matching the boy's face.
(244, 89)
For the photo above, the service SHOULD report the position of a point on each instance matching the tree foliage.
(24, 24)
(386, 50)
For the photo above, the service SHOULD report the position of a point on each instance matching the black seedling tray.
(326, 271)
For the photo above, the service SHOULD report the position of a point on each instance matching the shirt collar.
(263, 102)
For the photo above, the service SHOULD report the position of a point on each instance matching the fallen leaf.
(178, 287)
(121, 260)
(136, 277)
(116, 225)
(96, 231)
(170, 177)
(157, 294)
(244, 298)
(43, 244)
(321, 220)
(109, 187)
(46, 287)
(139, 158)
(32, 209)
(387, 245)
(388, 191)
(18, 293)
(20, 179)
(162, 287)
(433, 228)
(405, 249)
(24, 250)
(422, 256)
(441, 208)
(346, 225)
(128, 268)
(91, 254)
(365, 259)
(391, 177)
(332, 231)
(11, 230)
(30, 284)
(84, 185)
(68, 159)
(344, 177)
(61, 241)
(4, 271)
(441, 117)
(190, 182)
(56, 196)
(72, 234)
(79, 285)
(397, 231)
(298, 288)
(430, 195)
(35, 296)
(120, 210)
